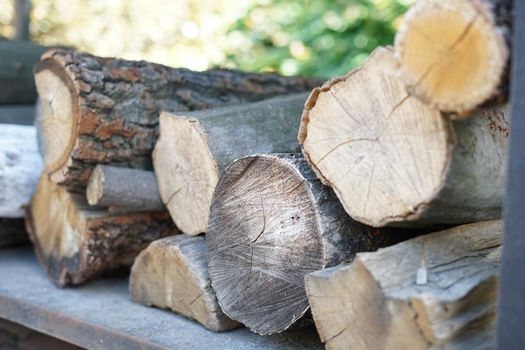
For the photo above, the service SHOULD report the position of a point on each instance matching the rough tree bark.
(454, 54)
(172, 273)
(129, 189)
(17, 85)
(391, 159)
(105, 110)
(75, 243)
(20, 167)
(271, 223)
(194, 149)
(437, 291)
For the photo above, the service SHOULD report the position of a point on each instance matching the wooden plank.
(101, 316)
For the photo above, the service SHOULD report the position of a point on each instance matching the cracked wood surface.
(194, 148)
(172, 273)
(271, 223)
(454, 54)
(392, 160)
(74, 242)
(437, 291)
(105, 110)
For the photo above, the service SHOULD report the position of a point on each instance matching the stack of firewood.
(411, 142)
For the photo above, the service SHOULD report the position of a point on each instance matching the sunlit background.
(309, 37)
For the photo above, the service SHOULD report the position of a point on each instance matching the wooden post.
(437, 291)
(194, 149)
(172, 273)
(393, 160)
(271, 223)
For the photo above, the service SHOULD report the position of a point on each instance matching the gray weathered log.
(437, 291)
(17, 59)
(12, 232)
(105, 110)
(272, 222)
(172, 273)
(133, 189)
(194, 149)
(393, 160)
(20, 167)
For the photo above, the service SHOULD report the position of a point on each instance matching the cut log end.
(94, 190)
(396, 162)
(187, 181)
(59, 112)
(451, 53)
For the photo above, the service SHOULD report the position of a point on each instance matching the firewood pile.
(370, 203)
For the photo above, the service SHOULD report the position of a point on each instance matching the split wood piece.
(391, 159)
(20, 167)
(105, 110)
(12, 232)
(454, 54)
(271, 223)
(75, 243)
(194, 149)
(437, 291)
(172, 273)
(132, 189)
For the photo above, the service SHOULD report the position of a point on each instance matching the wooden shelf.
(100, 315)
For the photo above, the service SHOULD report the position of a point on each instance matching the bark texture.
(131, 189)
(20, 167)
(393, 160)
(172, 273)
(108, 109)
(454, 54)
(75, 243)
(194, 149)
(437, 291)
(272, 222)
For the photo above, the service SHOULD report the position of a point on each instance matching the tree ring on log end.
(59, 112)
(94, 190)
(385, 153)
(264, 236)
(188, 180)
(451, 53)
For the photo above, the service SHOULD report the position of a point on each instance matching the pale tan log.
(393, 160)
(454, 54)
(74, 242)
(172, 273)
(437, 291)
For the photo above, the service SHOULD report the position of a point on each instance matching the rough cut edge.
(95, 185)
(496, 74)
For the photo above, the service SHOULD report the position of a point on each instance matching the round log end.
(451, 53)
(395, 149)
(263, 238)
(59, 112)
(186, 172)
(94, 190)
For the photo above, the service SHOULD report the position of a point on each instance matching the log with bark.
(194, 149)
(172, 273)
(17, 85)
(75, 243)
(454, 54)
(124, 188)
(105, 110)
(20, 167)
(437, 291)
(392, 159)
(271, 223)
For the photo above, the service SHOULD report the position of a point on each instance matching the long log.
(393, 160)
(20, 167)
(131, 189)
(271, 223)
(172, 273)
(454, 54)
(105, 110)
(194, 149)
(437, 291)
(17, 85)
(75, 243)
